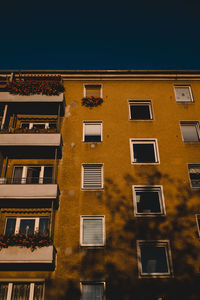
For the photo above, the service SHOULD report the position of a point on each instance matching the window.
(154, 258)
(198, 223)
(38, 125)
(92, 176)
(140, 110)
(27, 225)
(148, 200)
(194, 173)
(21, 290)
(92, 290)
(144, 151)
(92, 231)
(183, 93)
(92, 131)
(94, 90)
(190, 131)
(32, 174)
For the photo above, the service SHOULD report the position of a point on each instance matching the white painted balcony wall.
(29, 191)
(17, 254)
(31, 139)
(7, 97)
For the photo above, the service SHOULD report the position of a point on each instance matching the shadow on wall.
(116, 263)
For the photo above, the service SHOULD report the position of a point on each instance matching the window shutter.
(92, 176)
(92, 291)
(92, 129)
(93, 231)
(93, 90)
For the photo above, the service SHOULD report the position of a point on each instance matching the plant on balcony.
(92, 101)
(32, 86)
(32, 241)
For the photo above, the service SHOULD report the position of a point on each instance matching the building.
(101, 181)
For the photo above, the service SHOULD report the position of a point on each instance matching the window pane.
(183, 93)
(92, 291)
(10, 225)
(20, 291)
(33, 174)
(25, 125)
(3, 291)
(44, 225)
(148, 202)
(144, 153)
(48, 175)
(17, 175)
(27, 226)
(189, 133)
(93, 90)
(194, 172)
(53, 125)
(140, 112)
(38, 126)
(92, 231)
(153, 259)
(38, 291)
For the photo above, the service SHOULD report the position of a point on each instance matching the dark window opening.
(144, 153)
(153, 259)
(140, 112)
(148, 202)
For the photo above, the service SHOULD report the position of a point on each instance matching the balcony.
(7, 97)
(17, 255)
(27, 188)
(30, 137)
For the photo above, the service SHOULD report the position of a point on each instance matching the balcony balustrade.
(7, 97)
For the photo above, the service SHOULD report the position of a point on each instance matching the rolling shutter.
(92, 176)
(92, 231)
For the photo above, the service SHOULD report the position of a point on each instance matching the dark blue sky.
(100, 34)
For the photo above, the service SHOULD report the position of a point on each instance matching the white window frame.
(157, 243)
(195, 124)
(192, 187)
(25, 169)
(149, 188)
(81, 230)
(102, 177)
(141, 102)
(92, 123)
(145, 141)
(31, 124)
(198, 227)
(190, 92)
(21, 281)
(93, 282)
(95, 84)
(18, 221)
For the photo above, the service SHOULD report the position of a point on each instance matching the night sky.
(100, 34)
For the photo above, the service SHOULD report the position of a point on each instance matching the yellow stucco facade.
(117, 264)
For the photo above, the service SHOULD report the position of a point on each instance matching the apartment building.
(100, 185)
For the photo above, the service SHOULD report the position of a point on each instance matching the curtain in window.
(3, 291)
(17, 175)
(44, 225)
(92, 291)
(38, 291)
(20, 291)
(93, 231)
